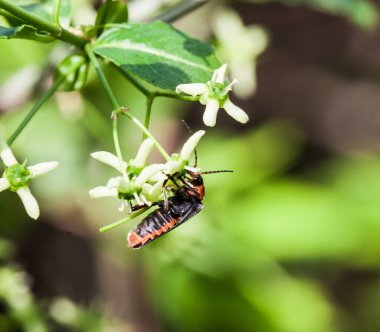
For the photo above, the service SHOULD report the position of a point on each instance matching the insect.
(175, 210)
(171, 212)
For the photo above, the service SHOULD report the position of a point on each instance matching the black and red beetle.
(173, 211)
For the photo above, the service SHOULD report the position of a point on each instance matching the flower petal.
(160, 176)
(219, 74)
(120, 183)
(4, 184)
(42, 168)
(6, 154)
(154, 192)
(102, 191)
(172, 166)
(235, 112)
(209, 116)
(110, 159)
(191, 144)
(193, 89)
(30, 203)
(147, 173)
(145, 149)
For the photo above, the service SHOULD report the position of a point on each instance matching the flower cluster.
(140, 184)
(17, 177)
(214, 94)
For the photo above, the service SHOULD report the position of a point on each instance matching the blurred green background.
(289, 242)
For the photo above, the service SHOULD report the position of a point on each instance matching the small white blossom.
(143, 153)
(17, 177)
(178, 162)
(103, 191)
(134, 175)
(110, 159)
(214, 94)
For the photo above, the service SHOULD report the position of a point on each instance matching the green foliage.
(23, 32)
(41, 9)
(45, 9)
(158, 54)
(73, 71)
(24, 314)
(259, 255)
(269, 241)
(63, 14)
(111, 12)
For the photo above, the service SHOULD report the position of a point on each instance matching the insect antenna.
(195, 150)
(219, 171)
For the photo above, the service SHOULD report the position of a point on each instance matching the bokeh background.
(289, 242)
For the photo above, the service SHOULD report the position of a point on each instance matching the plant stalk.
(120, 222)
(148, 112)
(42, 24)
(36, 107)
(183, 8)
(121, 110)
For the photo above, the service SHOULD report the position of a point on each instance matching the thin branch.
(183, 8)
(42, 24)
(148, 112)
(35, 109)
(102, 78)
(121, 110)
(120, 222)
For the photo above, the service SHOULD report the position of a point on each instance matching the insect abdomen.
(162, 221)
(153, 226)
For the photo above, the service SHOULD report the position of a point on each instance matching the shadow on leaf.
(159, 74)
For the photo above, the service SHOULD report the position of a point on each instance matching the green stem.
(183, 8)
(56, 9)
(121, 110)
(117, 143)
(149, 102)
(120, 222)
(136, 121)
(102, 78)
(112, 99)
(42, 24)
(35, 109)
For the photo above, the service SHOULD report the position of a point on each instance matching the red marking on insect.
(172, 212)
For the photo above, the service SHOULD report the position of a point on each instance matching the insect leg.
(143, 206)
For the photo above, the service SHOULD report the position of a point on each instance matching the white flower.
(251, 41)
(214, 94)
(134, 175)
(178, 162)
(17, 177)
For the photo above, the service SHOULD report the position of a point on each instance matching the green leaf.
(73, 69)
(65, 13)
(23, 32)
(44, 9)
(111, 12)
(158, 54)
